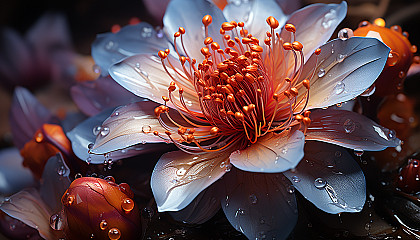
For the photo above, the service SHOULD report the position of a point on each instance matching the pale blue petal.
(188, 14)
(179, 177)
(329, 177)
(260, 205)
(271, 153)
(13, 176)
(350, 130)
(315, 24)
(110, 48)
(254, 14)
(345, 69)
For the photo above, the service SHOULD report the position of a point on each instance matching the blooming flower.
(243, 99)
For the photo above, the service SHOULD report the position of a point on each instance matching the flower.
(243, 99)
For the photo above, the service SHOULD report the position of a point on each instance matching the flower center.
(244, 92)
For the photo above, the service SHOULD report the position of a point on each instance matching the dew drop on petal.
(253, 199)
(181, 172)
(339, 88)
(103, 225)
(401, 74)
(96, 69)
(56, 222)
(341, 57)
(295, 179)
(345, 33)
(349, 125)
(146, 129)
(358, 152)
(127, 204)
(393, 58)
(114, 234)
(90, 145)
(96, 130)
(109, 179)
(320, 183)
(78, 175)
(146, 32)
(228, 167)
(321, 72)
(291, 189)
(61, 171)
(104, 131)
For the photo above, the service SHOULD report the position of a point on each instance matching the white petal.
(254, 14)
(110, 48)
(329, 178)
(13, 176)
(345, 69)
(315, 24)
(179, 177)
(128, 126)
(145, 76)
(350, 130)
(202, 208)
(55, 181)
(271, 153)
(260, 205)
(176, 17)
(28, 207)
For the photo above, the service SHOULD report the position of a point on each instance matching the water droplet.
(284, 151)
(61, 171)
(401, 74)
(90, 146)
(253, 199)
(104, 131)
(345, 33)
(393, 58)
(146, 32)
(12, 227)
(349, 125)
(96, 69)
(146, 129)
(415, 163)
(111, 46)
(181, 172)
(96, 130)
(103, 225)
(358, 152)
(228, 167)
(321, 72)
(367, 226)
(329, 19)
(114, 234)
(109, 179)
(320, 183)
(295, 179)
(127, 204)
(56, 222)
(222, 164)
(159, 32)
(291, 189)
(341, 57)
(239, 212)
(78, 175)
(391, 134)
(339, 88)
(89, 160)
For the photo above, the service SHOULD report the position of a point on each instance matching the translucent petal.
(128, 126)
(329, 178)
(82, 135)
(254, 14)
(260, 205)
(202, 208)
(145, 76)
(13, 176)
(179, 177)
(110, 48)
(345, 69)
(55, 181)
(28, 207)
(350, 130)
(271, 153)
(176, 17)
(315, 24)
(92, 97)
(27, 115)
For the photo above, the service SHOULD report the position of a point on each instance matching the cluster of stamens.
(240, 94)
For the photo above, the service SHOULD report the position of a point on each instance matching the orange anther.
(222, 32)
(256, 48)
(158, 111)
(168, 133)
(318, 51)
(156, 133)
(246, 40)
(205, 51)
(167, 51)
(239, 116)
(181, 91)
(207, 20)
(379, 22)
(231, 43)
(290, 27)
(226, 37)
(287, 46)
(181, 30)
(276, 96)
(172, 87)
(307, 121)
(177, 34)
(208, 40)
(249, 77)
(239, 77)
(297, 46)
(234, 23)
(214, 130)
(287, 79)
(190, 138)
(299, 117)
(241, 24)
(251, 107)
(182, 130)
(162, 54)
(215, 46)
(267, 41)
(227, 26)
(306, 83)
(307, 113)
(230, 98)
(166, 99)
(182, 60)
(272, 22)
(294, 91)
